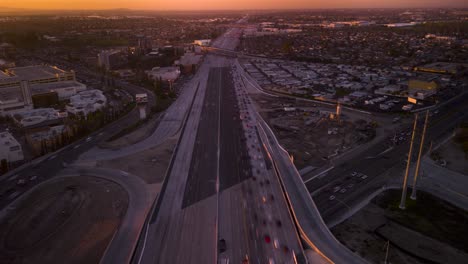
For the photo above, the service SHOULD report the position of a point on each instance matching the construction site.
(314, 134)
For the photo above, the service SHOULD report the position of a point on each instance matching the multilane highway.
(221, 203)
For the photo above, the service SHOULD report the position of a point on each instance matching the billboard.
(412, 100)
(141, 98)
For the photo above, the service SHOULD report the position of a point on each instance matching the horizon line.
(19, 9)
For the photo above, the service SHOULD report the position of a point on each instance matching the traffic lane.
(275, 231)
(234, 162)
(201, 182)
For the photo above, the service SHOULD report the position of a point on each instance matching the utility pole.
(418, 164)
(405, 180)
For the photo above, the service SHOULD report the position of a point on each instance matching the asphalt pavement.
(375, 166)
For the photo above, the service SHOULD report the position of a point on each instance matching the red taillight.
(267, 239)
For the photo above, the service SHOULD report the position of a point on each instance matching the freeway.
(221, 202)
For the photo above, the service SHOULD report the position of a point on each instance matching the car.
(88, 139)
(21, 182)
(350, 185)
(364, 177)
(278, 223)
(332, 197)
(336, 188)
(33, 178)
(343, 190)
(354, 173)
(276, 243)
(222, 245)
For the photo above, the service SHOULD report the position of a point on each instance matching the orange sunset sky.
(224, 4)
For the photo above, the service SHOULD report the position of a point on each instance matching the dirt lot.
(68, 220)
(138, 134)
(150, 165)
(438, 234)
(308, 132)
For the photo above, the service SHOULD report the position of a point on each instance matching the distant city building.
(394, 25)
(441, 67)
(166, 74)
(189, 62)
(10, 148)
(144, 43)
(424, 85)
(391, 89)
(440, 38)
(19, 85)
(110, 59)
(125, 74)
(202, 42)
(86, 102)
(7, 50)
(347, 24)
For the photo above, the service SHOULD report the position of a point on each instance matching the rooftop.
(7, 139)
(36, 116)
(35, 72)
(48, 87)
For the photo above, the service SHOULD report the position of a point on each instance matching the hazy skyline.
(227, 4)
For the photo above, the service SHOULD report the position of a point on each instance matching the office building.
(10, 148)
(110, 59)
(86, 102)
(19, 85)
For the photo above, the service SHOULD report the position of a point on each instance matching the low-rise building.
(189, 62)
(38, 117)
(86, 102)
(10, 148)
(110, 59)
(7, 49)
(407, 107)
(202, 42)
(166, 74)
(19, 85)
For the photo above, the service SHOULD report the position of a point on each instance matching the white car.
(343, 190)
(21, 182)
(276, 243)
(331, 198)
